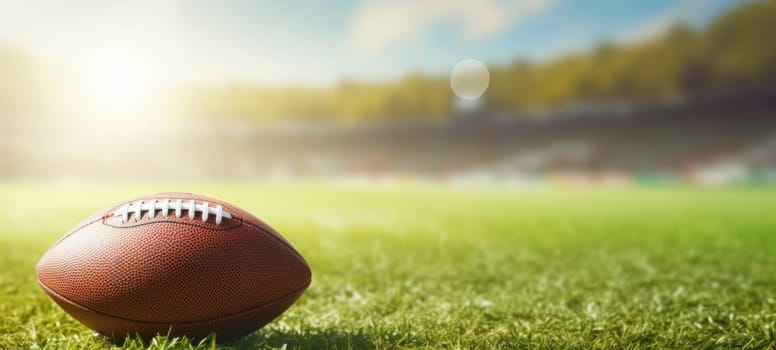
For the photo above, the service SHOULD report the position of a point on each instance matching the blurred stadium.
(690, 104)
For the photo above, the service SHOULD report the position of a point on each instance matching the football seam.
(225, 205)
(237, 218)
(214, 319)
(220, 228)
(109, 212)
(106, 216)
(241, 222)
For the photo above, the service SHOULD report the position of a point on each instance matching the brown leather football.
(173, 262)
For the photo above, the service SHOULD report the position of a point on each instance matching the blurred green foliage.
(415, 96)
(735, 52)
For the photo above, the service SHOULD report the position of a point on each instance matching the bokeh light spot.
(470, 79)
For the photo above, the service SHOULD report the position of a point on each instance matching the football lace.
(167, 206)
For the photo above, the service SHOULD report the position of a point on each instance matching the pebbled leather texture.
(181, 275)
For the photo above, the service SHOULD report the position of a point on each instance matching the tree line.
(737, 51)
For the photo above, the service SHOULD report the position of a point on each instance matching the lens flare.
(470, 79)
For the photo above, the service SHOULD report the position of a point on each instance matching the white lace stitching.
(154, 205)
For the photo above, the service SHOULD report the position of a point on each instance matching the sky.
(320, 42)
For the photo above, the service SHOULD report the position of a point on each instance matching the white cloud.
(660, 24)
(380, 23)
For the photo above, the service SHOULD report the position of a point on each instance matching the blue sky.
(319, 42)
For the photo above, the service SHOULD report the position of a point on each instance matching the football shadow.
(307, 339)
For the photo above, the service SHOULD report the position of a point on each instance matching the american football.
(173, 263)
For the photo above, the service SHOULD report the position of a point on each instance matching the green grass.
(445, 267)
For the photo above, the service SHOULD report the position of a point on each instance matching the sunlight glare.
(117, 82)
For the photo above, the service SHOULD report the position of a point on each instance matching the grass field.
(445, 267)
